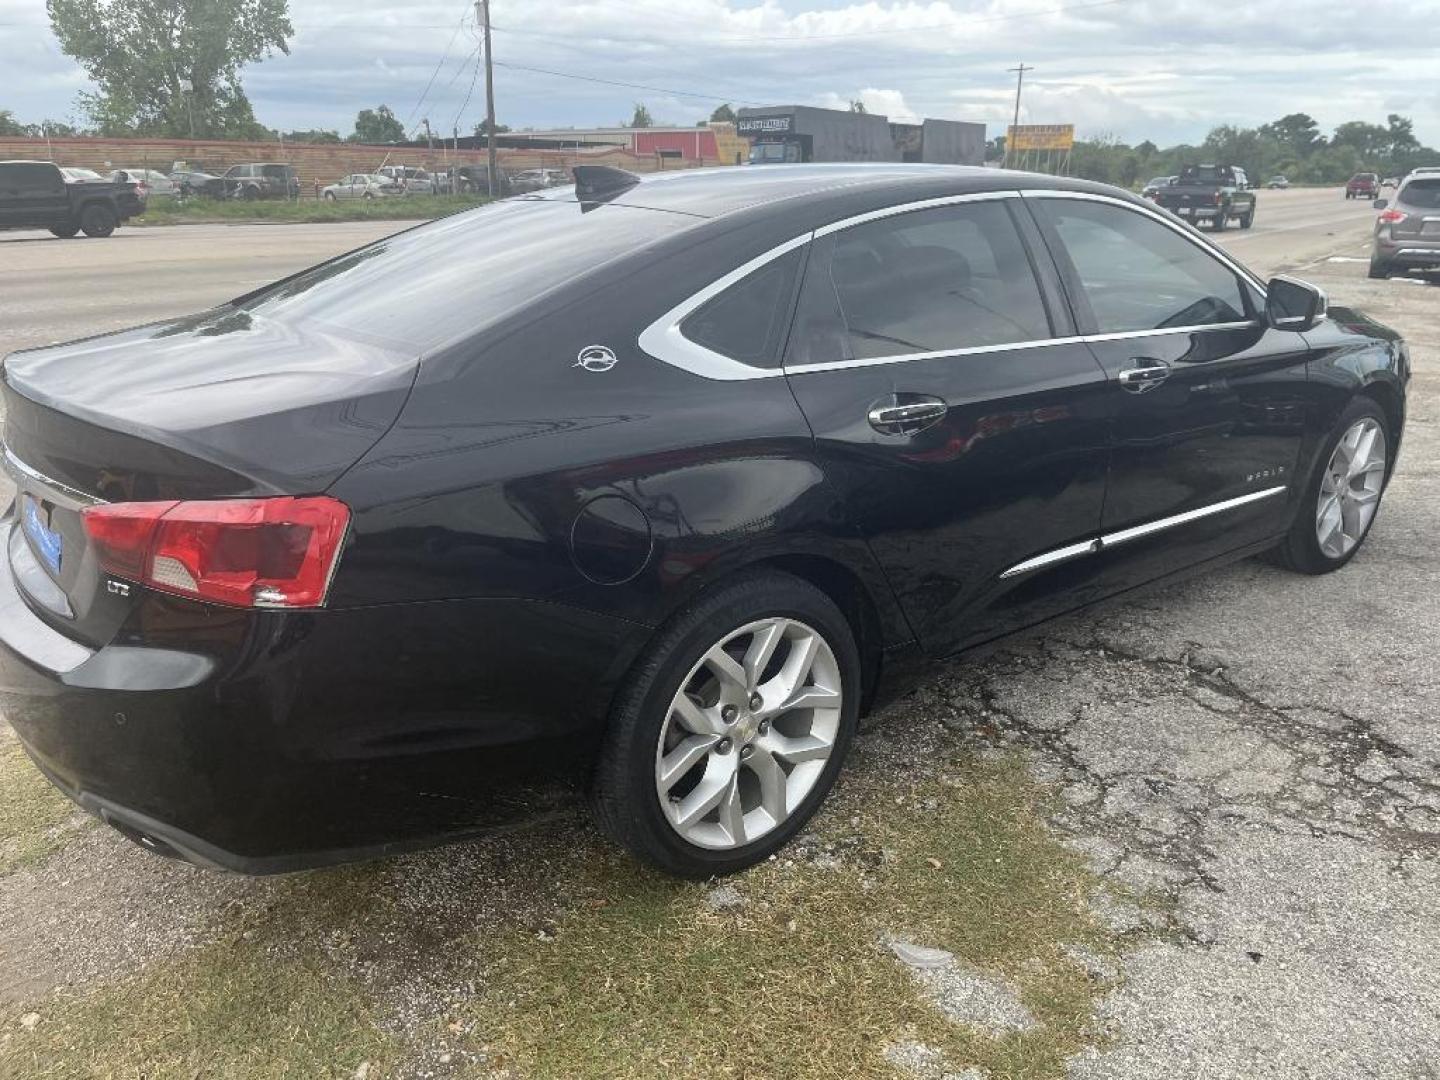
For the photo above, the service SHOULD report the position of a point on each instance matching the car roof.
(725, 190)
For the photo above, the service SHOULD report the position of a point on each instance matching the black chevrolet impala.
(647, 486)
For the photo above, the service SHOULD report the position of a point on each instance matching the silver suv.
(1407, 232)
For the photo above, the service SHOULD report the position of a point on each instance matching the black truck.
(36, 195)
(1218, 194)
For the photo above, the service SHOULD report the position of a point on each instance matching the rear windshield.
(435, 284)
(1422, 194)
(1204, 174)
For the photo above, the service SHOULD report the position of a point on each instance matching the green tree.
(1295, 132)
(142, 54)
(1367, 140)
(483, 128)
(723, 115)
(9, 125)
(641, 117)
(317, 135)
(53, 128)
(1402, 134)
(377, 126)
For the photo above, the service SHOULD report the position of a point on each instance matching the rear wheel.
(329, 196)
(1248, 218)
(66, 231)
(1220, 220)
(1379, 268)
(731, 730)
(97, 220)
(250, 194)
(1341, 497)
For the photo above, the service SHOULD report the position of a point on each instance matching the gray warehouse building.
(798, 133)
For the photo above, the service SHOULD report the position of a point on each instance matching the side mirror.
(1292, 304)
(1380, 204)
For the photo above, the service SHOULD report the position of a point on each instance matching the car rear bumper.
(263, 742)
(1408, 252)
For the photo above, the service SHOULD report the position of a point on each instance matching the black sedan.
(192, 182)
(673, 484)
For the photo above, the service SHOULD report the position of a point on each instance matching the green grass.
(309, 209)
(34, 817)
(224, 1011)
(644, 980)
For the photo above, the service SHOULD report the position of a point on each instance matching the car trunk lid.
(221, 405)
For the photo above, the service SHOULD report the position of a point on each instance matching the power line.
(629, 85)
(443, 57)
(473, 77)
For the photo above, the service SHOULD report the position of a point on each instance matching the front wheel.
(1341, 497)
(329, 196)
(730, 732)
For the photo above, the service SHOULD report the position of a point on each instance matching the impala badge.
(595, 358)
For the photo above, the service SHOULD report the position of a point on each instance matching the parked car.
(262, 181)
(656, 493)
(1214, 193)
(1151, 189)
(1277, 183)
(362, 186)
(191, 182)
(156, 184)
(37, 194)
(415, 181)
(1407, 232)
(529, 180)
(82, 176)
(1389, 181)
(1364, 185)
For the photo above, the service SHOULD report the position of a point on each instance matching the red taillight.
(1219, 198)
(245, 552)
(141, 191)
(1390, 217)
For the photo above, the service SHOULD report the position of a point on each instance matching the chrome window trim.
(1108, 540)
(663, 340)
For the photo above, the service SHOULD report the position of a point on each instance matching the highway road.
(54, 290)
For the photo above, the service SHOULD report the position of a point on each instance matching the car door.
(37, 192)
(962, 422)
(1209, 400)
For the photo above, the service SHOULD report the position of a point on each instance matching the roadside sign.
(1040, 137)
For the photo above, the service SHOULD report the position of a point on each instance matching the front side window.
(927, 281)
(1135, 273)
(747, 321)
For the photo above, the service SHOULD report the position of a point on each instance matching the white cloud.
(888, 103)
(1161, 69)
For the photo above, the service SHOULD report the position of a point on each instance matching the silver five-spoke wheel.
(1350, 488)
(748, 733)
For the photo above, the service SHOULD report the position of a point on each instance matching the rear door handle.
(1147, 374)
(906, 414)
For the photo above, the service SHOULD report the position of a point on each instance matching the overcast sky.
(1167, 70)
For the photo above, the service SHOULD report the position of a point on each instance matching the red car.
(1363, 185)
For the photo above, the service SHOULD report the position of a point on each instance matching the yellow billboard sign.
(1040, 137)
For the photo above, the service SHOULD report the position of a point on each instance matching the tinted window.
(930, 281)
(1138, 274)
(435, 284)
(30, 177)
(747, 320)
(1422, 194)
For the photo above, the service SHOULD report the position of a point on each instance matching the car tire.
(369, 195)
(249, 194)
(1379, 268)
(1220, 220)
(66, 231)
(97, 220)
(329, 196)
(1311, 546)
(1247, 219)
(676, 697)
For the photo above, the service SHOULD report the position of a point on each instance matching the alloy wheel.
(1350, 488)
(748, 734)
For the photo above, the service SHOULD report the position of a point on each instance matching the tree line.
(1292, 146)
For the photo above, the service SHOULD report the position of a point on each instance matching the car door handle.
(906, 414)
(1147, 374)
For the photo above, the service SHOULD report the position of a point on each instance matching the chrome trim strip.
(902, 358)
(1110, 540)
(1170, 221)
(663, 340)
(20, 471)
(1050, 558)
(910, 208)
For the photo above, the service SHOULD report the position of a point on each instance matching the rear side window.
(26, 176)
(1421, 194)
(1137, 274)
(927, 281)
(746, 322)
(435, 284)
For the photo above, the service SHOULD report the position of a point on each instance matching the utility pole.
(429, 142)
(482, 12)
(1019, 82)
